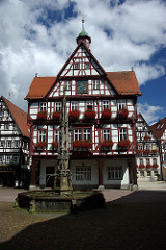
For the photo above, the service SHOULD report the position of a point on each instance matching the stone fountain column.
(63, 177)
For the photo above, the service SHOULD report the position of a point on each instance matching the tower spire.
(83, 36)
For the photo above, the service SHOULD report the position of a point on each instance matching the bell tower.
(83, 36)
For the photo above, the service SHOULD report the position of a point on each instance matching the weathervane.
(83, 21)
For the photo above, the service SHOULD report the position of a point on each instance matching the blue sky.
(38, 36)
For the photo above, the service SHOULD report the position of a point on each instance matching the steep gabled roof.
(159, 127)
(40, 86)
(124, 82)
(19, 116)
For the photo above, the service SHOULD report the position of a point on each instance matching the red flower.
(41, 144)
(89, 114)
(107, 144)
(82, 144)
(55, 144)
(124, 143)
(147, 151)
(42, 114)
(123, 113)
(56, 114)
(106, 114)
(148, 166)
(141, 166)
(140, 151)
(155, 166)
(74, 114)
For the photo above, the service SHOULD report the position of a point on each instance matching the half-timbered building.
(14, 145)
(148, 153)
(102, 111)
(159, 129)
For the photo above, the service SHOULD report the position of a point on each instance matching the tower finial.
(83, 21)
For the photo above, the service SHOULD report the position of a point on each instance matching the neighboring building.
(102, 108)
(159, 129)
(14, 145)
(148, 153)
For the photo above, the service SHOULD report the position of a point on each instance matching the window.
(6, 127)
(56, 136)
(1, 159)
(2, 144)
(67, 85)
(140, 147)
(115, 173)
(83, 173)
(87, 65)
(82, 134)
(14, 126)
(87, 134)
(121, 104)
(74, 105)
(42, 106)
(141, 173)
(17, 144)
(76, 65)
(105, 104)
(148, 173)
(95, 85)
(141, 162)
(1, 114)
(57, 106)
(89, 105)
(147, 161)
(8, 144)
(77, 134)
(8, 159)
(106, 134)
(156, 173)
(154, 161)
(15, 158)
(123, 134)
(42, 135)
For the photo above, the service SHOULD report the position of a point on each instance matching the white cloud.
(149, 112)
(122, 36)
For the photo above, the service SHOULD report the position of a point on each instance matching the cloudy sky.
(37, 36)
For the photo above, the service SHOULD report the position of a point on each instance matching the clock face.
(82, 87)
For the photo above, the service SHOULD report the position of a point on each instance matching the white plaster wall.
(116, 163)
(94, 171)
(44, 163)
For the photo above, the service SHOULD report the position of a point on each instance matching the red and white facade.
(102, 111)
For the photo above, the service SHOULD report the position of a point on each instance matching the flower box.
(141, 166)
(147, 151)
(123, 113)
(124, 144)
(140, 152)
(55, 145)
(41, 145)
(154, 151)
(107, 145)
(155, 166)
(42, 115)
(82, 144)
(74, 114)
(148, 166)
(106, 114)
(89, 114)
(146, 138)
(56, 115)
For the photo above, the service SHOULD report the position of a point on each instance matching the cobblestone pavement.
(131, 220)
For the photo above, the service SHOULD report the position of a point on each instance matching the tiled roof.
(159, 127)
(40, 87)
(19, 116)
(124, 82)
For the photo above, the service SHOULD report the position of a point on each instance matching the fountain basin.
(49, 201)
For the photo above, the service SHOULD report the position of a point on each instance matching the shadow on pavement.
(136, 221)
